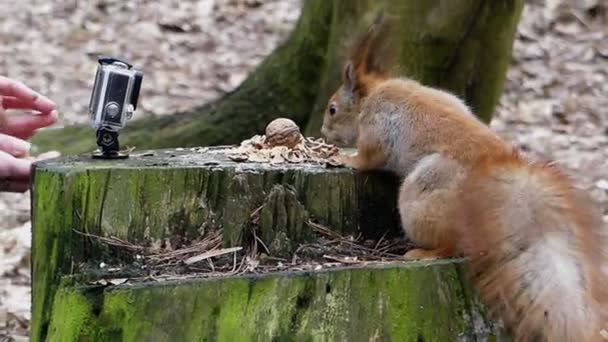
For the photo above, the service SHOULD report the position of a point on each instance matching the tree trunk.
(88, 213)
(460, 45)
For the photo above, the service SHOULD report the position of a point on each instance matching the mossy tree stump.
(169, 197)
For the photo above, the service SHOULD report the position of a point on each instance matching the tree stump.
(98, 224)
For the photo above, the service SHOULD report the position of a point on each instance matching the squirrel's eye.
(332, 109)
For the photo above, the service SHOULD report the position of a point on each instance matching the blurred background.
(554, 105)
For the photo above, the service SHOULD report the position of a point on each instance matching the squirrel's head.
(340, 121)
(367, 66)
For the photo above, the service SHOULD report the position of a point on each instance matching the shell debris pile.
(283, 143)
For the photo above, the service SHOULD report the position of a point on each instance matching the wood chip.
(211, 254)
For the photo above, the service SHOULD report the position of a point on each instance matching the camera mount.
(107, 140)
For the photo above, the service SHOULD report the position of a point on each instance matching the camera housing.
(115, 93)
(113, 100)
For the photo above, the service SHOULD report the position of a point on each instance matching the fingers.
(9, 102)
(24, 96)
(15, 173)
(47, 155)
(14, 169)
(14, 146)
(24, 126)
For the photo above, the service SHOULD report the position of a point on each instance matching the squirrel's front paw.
(334, 161)
(341, 160)
(349, 160)
(422, 254)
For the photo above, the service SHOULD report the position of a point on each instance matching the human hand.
(15, 95)
(14, 167)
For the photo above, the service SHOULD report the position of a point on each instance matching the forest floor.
(554, 103)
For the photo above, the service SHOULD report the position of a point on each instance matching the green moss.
(73, 315)
(50, 246)
(401, 302)
(441, 322)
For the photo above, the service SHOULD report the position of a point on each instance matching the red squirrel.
(534, 245)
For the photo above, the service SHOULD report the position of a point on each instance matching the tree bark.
(460, 45)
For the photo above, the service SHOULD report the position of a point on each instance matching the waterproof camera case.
(113, 100)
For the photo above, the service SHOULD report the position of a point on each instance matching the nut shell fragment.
(283, 143)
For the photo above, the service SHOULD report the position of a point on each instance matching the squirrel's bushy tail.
(537, 258)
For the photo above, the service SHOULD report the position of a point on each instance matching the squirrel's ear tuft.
(348, 77)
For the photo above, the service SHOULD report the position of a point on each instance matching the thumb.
(14, 168)
(14, 146)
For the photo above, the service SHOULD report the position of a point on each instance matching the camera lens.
(112, 109)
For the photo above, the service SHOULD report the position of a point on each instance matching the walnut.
(283, 132)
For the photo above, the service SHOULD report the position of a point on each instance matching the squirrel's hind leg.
(427, 206)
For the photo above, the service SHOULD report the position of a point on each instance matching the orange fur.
(370, 155)
(537, 264)
(535, 246)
